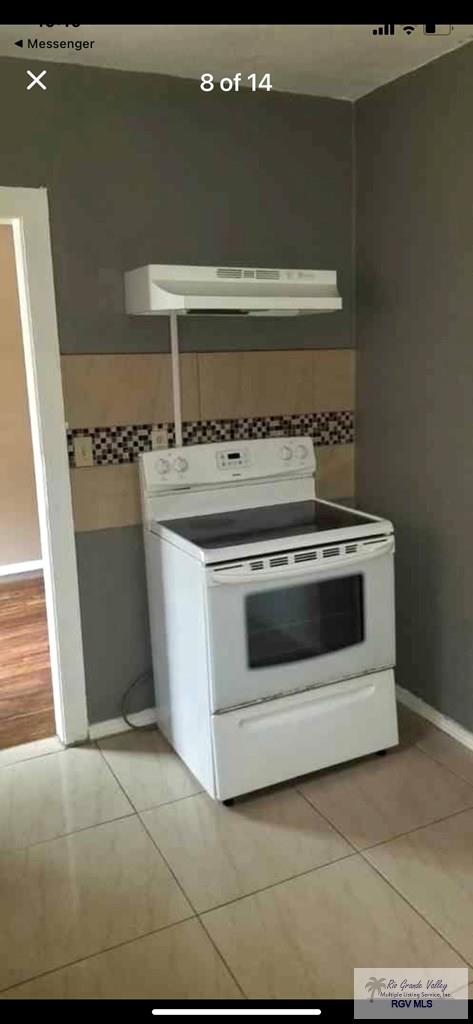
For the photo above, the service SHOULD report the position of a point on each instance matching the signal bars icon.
(384, 30)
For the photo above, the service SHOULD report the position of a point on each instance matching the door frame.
(26, 210)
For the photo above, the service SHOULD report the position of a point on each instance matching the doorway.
(26, 696)
(26, 693)
(44, 593)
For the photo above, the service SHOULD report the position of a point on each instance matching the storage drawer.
(279, 739)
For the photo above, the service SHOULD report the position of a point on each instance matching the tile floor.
(119, 878)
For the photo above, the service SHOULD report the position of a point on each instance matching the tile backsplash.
(117, 401)
(115, 445)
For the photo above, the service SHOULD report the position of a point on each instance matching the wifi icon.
(408, 29)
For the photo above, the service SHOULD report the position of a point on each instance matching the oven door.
(299, 619)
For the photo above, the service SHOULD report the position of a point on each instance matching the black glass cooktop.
(250, 525)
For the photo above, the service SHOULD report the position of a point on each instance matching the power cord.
(147, 674)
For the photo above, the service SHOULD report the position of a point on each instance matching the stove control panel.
(204, 465)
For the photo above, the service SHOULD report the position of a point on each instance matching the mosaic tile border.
(113, 446)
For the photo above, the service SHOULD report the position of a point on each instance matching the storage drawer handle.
(322, 704)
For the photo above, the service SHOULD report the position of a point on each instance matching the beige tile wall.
(105, 496)
(335, 477)
(107, 390)
(111, 390)
(235, 384)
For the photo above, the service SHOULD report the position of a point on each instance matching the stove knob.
(181, 464)
(163, 466)
(301, 451)
(286, 452)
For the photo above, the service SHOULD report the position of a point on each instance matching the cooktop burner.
(250, 525)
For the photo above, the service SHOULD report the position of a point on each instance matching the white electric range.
(271, 614)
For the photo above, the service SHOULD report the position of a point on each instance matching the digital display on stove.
(233, 455)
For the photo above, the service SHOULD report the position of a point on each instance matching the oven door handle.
(238, 576)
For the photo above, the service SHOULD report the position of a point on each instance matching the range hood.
(229, 291)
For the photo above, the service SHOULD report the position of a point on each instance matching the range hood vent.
(158, 289)
(231, 272)
(236, 274)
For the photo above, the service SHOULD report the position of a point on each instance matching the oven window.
(299, 622)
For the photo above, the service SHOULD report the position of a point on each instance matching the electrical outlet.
(159, 437)
(83, 454)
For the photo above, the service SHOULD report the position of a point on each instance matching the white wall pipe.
(176, 379)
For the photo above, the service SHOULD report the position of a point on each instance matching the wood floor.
(26, 700)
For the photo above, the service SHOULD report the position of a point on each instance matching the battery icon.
(437, 30)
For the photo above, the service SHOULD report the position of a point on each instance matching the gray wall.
(148, 169)
(415, 365)
(114, 617)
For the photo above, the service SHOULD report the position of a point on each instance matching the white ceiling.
(341, 61)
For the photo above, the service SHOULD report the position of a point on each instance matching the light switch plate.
(83, 453)
(159, 438)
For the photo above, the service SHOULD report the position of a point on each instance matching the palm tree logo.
(375, 985)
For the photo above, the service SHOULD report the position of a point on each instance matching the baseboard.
(443, 722)
(98, 730)
(17, 568)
